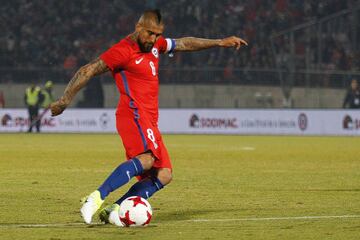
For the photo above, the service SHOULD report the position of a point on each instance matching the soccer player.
(134, 62)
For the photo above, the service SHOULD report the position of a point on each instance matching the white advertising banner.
(199, 121)
(261, 122)
(71, 120)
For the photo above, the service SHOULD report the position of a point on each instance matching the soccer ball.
(135, 212)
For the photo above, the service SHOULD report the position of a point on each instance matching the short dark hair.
(155, 12)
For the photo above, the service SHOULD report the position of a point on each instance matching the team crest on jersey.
(155, 52)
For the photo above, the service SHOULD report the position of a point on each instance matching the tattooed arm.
(81, 77)
(195, 44)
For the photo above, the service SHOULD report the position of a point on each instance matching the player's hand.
(232, 42)
(59, 106)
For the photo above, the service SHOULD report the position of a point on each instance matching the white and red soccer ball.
(135, 212)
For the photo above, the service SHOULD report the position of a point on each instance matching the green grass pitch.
(224, 187)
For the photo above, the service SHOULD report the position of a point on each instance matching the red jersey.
(136, 75)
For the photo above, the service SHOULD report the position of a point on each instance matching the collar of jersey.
(133, 44)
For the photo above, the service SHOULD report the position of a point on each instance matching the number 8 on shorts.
(150, 135)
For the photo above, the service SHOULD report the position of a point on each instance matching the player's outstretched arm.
(81, 77)
(195, 44)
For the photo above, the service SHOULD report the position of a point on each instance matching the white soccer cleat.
(92, 203)
(114, 218)
(110, 214)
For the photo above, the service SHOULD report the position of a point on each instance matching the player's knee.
(165, 176)
(147, 160)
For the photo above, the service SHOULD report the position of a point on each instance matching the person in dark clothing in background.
(2, 100)
(352, 98)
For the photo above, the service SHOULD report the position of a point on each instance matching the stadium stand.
(292, 43)
(54, 34)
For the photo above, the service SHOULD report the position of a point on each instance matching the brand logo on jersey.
(139, 60)
(155, 52)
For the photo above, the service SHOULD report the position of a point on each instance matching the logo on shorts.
(155, 52)
(302, 121)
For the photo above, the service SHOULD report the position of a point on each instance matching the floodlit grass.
(227, 181)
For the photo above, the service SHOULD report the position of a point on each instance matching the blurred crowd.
(66, 34)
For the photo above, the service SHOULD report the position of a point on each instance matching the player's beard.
(145, 47)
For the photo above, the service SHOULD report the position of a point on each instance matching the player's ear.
(138, 27)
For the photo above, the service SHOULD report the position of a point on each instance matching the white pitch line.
(49, 225)
(248, 148)
(272, 218)
(55, 225)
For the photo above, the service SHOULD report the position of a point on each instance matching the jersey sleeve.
(117, 56)
(166, 45)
